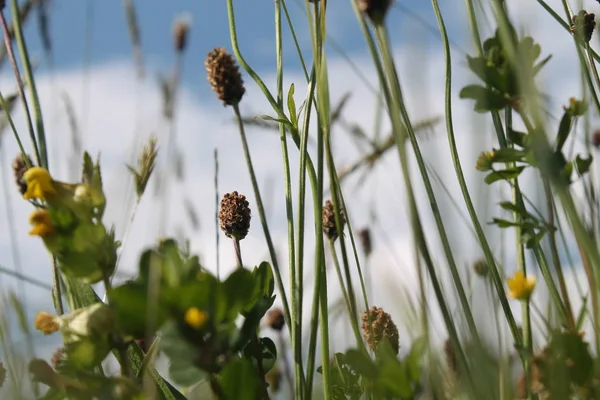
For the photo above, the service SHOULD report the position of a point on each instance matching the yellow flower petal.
(39, 184)
(520, 287)
(42, 223)
(195, 318)
(46, 323)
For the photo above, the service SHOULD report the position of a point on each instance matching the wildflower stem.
(37, 109)
(238, 253)
(261, 213)
(56, 287)
(13, 62)
(351, 312)
(295, 273)
(395, 108)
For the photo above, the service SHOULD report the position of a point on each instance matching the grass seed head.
(224, 76)
(234, 215)
(19, 167)
(381, 327)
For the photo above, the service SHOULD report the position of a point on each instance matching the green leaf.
(393, 376)
(487, 73)
(238, 289)
(184, 373)
(540, 65)
(486, 99)
(264, 281)
(361, 363)
(506, 174)
(87, 173)
(518, 138)
(502, 223)
(54, 394)
(583, 164)
(415, 358)
(583, 311)
(130, 302)
(239, 381)
(279, 120)
(292, 106)
(564, 129)
(268, 353)
(507, 154)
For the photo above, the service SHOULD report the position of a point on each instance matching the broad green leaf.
(239, 381)
(486, 99)
(518, 138)
(506, 174)
(415, 358)
(564, 129)
(361, 363)
(131, 304)
(583, 164)
(268, 353)
(394, 377)
(507, 154)
(488, 74)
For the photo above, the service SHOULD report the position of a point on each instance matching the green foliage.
(385, 375)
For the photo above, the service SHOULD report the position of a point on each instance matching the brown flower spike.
(329, 227)
(374, 9)
(381, 327)
(224, 76)
(235, 215)
(275, 319)
(19, 166)
(180, 34)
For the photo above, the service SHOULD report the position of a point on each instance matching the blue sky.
(103, 23)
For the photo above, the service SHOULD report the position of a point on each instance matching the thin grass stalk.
(461, 178)
(13, 61)
(296, 321)
(361, 277)
(6, 108)
(323, 125)
(556, 257)
(37, 109)
(217, 203)
(412, 205)
(281, 114)
(535, 126)
(399, 106)
(347, 300)
(317, 190)
(261, 210)
(294, 38)
(295, 283)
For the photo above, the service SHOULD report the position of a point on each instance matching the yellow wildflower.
(195, 318)
(39, 184)
(42, 223)
(46, 323)
(520, 287)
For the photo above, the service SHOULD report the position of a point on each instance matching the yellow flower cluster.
(520, 287)
(40, 185)
(195, 318)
